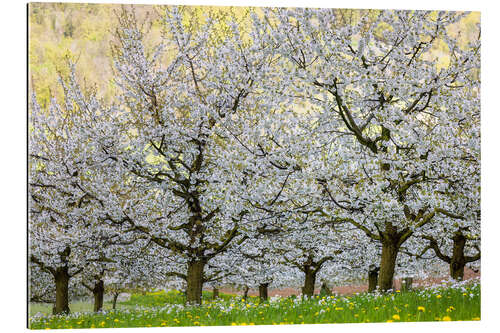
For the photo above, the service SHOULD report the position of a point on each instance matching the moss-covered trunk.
(62, 277)
(195, 281)
(387, 264)
(309, 282)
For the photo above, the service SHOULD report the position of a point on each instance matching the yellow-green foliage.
(83, 32)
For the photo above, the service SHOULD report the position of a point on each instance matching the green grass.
(145, 300)
(171, 297)
(79, 306)
(438, 304)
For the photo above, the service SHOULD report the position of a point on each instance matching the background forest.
(83, 33)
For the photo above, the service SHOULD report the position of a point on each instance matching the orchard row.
(279, 147)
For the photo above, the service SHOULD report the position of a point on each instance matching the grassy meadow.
(166, 308)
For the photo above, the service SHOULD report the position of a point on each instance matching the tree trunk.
(98, 292)
(245, 293)
(263, 291)
(387, 264)
(325, 290)
(372, 279)
(309, 282)
(215, 293)
(115, 298)
(406, 284)
(457, 263)
(195, 281)
(62, 291)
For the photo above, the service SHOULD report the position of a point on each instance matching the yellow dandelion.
(396, 317)
(390, 321)
(116, 320)
(446, 318)
(438, 296)
(233, 324)
(421, 308)
(476, 318)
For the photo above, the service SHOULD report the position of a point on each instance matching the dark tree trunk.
(372, 279)
(115, 298)
(195, 281)
(309, 282)
(215, 293)
(62, 291)
(245, 292)
(457, 263)
(325, 290)
(263, 291)
(98, 292)
(406, 284)
(390, 251)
